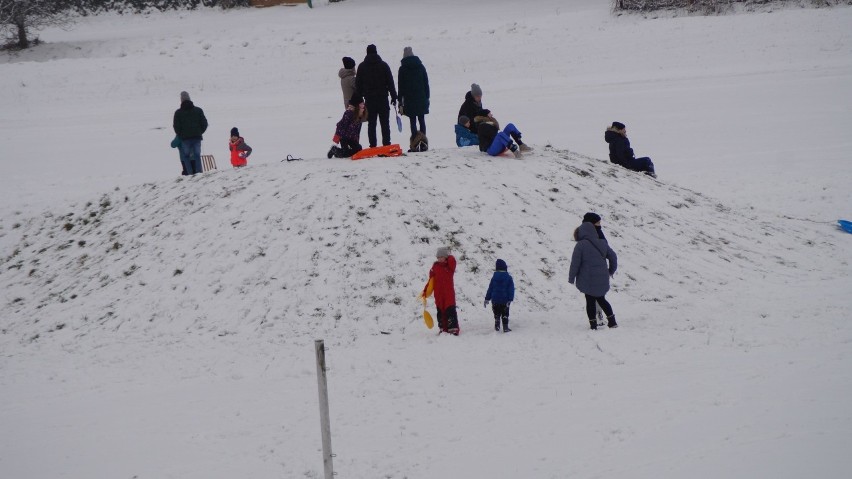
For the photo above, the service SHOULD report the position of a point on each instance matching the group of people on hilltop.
(369, 92)
(593, 263)
(189, 124)
(477, 126)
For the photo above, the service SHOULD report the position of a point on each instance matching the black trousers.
(413, 121)
(382, 114)
(448, 318)
(501, 312)
(592, 311)
(348, 148)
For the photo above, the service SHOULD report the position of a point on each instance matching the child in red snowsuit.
(444, 290)
(240, 151)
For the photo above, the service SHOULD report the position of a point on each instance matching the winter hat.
(618, 125)
(407, 52)
(348, 63)
(235, 131)
(184, 96)
(442, 252)
(463, 120)
(371, 49)
(501, 265)
(475, 90)
(591, 218)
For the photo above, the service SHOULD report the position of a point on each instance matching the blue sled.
(845, 225)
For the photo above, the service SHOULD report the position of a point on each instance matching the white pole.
(325, 424)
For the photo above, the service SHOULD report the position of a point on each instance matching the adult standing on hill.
(374, 82)
(413, 90)
(190, 124)
(347, 80)
(592, 264)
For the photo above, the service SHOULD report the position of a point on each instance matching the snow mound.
(308, 248)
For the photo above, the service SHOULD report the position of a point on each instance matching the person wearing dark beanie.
(240, 150)
(347, 80)
(501, 293)
(374, 82)
(621, 153)
(593, 262)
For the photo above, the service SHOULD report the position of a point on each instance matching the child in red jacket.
(444, 290)
(240, 151)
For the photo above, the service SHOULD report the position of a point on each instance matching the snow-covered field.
(155, 326)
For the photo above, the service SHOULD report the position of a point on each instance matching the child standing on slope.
(501, 291)
(240, 151)
(444, 290)
(592, 264)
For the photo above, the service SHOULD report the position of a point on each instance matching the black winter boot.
(610, 321)
(496, 324)
(506, 325)
(593, 323)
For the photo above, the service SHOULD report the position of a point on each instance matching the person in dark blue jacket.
(621, 153)
(592, 264)
(501, 293)
(464, 137)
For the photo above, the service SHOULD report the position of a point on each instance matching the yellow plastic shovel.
(427, 291)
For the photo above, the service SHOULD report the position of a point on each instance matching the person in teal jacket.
(465, 137)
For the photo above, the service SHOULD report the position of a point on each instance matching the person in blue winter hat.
(501, 293)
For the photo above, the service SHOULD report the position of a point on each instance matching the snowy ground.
(155, 326)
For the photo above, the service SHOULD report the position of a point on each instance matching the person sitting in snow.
(620, 152)
(240, 150)
(465, 137)
(348, 132)
(472, 105)
(495, 142)
(593, 262)
(472, 108)
(501, 290)
(441, 276)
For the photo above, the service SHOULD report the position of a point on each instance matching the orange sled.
(389, 150)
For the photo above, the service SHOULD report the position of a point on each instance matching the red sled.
(381, 151)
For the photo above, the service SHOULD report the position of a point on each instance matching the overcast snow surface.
(155, 326)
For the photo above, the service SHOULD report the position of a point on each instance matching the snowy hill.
(224, 280)
(154, 326)
(307, 247)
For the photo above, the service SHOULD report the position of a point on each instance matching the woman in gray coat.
(592, 264)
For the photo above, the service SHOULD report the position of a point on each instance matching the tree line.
(20, 19)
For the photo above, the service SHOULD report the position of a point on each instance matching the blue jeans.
(503, 140)
(191, 156)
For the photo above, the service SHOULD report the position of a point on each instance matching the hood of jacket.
(346, 72)
(468, 97)
(372, 58)
(412, 61)
(611, 135)
(588, 232)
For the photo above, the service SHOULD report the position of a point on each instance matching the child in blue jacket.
(465, 137)
(501, 292)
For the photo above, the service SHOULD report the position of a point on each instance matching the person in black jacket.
(413, 90)
(472, 106)
(621, 153)
(373, 82)
(189, 124)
